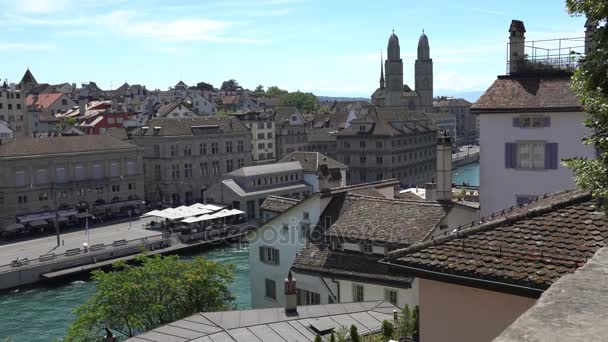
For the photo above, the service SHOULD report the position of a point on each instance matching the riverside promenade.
(29, 262)
(33, 249)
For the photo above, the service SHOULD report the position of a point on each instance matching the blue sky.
(329, 47)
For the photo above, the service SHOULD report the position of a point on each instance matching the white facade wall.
(499, 186)
(288, 244)
(376, 292)
(312, 180)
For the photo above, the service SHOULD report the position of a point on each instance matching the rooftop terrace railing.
(551, 55)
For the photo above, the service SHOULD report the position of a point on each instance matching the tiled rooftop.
(278, 204)
(531, 246)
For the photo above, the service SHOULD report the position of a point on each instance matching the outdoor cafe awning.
(83, 215)
(47, 215)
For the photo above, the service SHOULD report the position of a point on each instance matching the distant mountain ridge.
(470, 96)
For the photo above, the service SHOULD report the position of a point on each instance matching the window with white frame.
(358, 293)
(390, 295)
(269, 255)
(531, 155)
(306, 297)
(20, 178)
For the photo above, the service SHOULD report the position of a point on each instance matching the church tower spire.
(394, 73)
(424, 73)
(381, 71)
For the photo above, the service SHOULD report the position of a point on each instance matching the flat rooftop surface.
(273, 324)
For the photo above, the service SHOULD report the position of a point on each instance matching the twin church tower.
(392, 92)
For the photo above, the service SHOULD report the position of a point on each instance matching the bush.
(354, 335)
(387, 329)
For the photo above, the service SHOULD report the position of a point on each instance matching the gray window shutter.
(510, 155)
(551, 159)
(275, 255)
(546, 121)
(262, 256)
(354, 292)
(516, 122)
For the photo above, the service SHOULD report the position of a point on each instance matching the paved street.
(32, 249)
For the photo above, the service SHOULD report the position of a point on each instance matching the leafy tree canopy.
(306, 102)
(134, 299)
(590, 83)
(275, 91)
(204, 86)
(259, 90)
(231, 85)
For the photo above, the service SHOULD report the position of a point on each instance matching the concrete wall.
(499, 185)
(458, 313)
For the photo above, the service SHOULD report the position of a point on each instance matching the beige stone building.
(13, 109)
(388, 143)
(184, 156)
(39, 176)
(263, 137)
(290, 131)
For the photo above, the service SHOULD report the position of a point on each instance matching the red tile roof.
(43, 100)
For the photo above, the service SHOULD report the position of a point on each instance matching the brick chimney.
(444, 168)
(291, 295)
(517, 42)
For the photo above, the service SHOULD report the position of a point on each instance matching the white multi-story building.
(530, 120)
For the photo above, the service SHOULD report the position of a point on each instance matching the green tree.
(354, 335)
(318, 339)
(416, 323)
(387, 329)
(275, 91)
(204, 86)
(231, 85)
(70, 121)
(332, 338)
(259, 90)
(306, 102)
(133, 299)
(324, 109)
(590, 83)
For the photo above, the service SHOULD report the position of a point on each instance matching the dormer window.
(361, 128)
(367, 247)
(306, 215)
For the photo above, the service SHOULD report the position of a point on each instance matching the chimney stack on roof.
(291, 295)
(444, 168)
(517, 42)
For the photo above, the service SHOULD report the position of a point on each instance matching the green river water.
(40, 314)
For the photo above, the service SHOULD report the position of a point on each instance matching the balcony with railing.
(546, 56)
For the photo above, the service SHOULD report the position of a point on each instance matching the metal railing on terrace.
(550, 55)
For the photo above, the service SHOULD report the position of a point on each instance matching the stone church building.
(392, 92)
(393, 137)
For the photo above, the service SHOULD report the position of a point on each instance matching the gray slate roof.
(257, 170)
(27, 146)
(278, 204)
(183, 126)
(269, 325)
(312, 160)
(387, 220)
